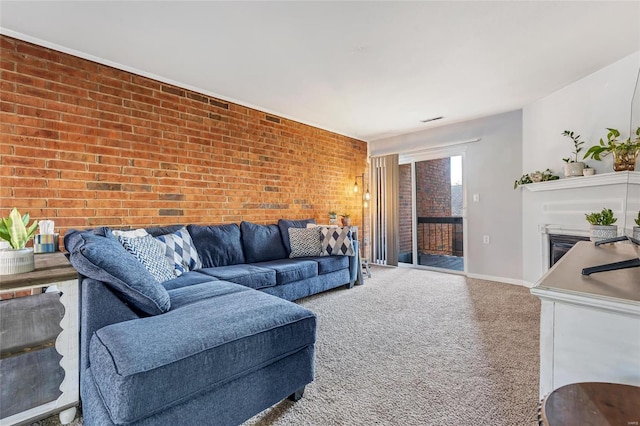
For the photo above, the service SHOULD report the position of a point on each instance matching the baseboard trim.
(522, 283)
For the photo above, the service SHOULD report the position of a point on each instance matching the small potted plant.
(16, 230)
(602, 225)
(572, 166)
(534, 177)
(588, 170)
(333, 217)
(636, 229)
(624, 153)
(346, 219)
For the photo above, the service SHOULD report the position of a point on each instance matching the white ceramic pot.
(588, 172)
(16, 261)
(636, 232)
(573, 169)
(603, 232)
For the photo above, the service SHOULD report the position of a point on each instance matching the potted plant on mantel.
(624, 153)
(602, 225)
(573, 167)
(636, 229)
(14, 230)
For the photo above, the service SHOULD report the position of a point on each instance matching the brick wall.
(405, 194)
(433, 187)
(85, 145)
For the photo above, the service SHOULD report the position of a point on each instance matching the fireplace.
(559, 244)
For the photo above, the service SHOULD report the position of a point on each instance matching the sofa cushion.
(328, 264)
(305, 242)
(285, 224)
(180, 249)
(186, 279)
(289, 270)
(97, 254)
(151, 253)
(218, 245)
(261, 242)
(247, 275)
(196, 293)
(336, 241)
(138, 364)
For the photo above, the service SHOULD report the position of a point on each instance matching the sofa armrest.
(99, 308)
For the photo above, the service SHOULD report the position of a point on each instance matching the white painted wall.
(588, 107)
(490, 167)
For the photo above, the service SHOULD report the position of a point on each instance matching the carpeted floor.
(414, 347)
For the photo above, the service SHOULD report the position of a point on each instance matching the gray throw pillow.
(305, 242)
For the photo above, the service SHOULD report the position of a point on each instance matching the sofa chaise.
(197, 334)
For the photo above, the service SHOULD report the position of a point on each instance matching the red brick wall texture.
(433, 199)
(87, 145)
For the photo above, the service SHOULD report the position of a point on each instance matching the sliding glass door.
(431, 213)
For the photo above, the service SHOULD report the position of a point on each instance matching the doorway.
(431, 230)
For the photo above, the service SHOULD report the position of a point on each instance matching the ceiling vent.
(431, 119)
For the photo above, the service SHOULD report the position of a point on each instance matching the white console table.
(589, 325)
(51, 269)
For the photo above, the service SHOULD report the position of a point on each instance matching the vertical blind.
(386, 209)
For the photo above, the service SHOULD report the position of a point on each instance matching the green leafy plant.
(333, 213)
(603, 218)
(525, 179)
(637, 221)
(577, 146)
(14, 230)
(346, 215)
(613, 145)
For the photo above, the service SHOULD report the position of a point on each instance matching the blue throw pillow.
(285, 224)
(261, 243)
(99, 255)
(217, 245)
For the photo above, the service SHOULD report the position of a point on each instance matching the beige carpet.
(413, 347)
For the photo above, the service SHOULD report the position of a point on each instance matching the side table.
(591, 403)
(29, 340)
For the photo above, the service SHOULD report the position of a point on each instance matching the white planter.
(588, 172)
(573, 169)
(16, 261)
(636, 232)
(603, 232)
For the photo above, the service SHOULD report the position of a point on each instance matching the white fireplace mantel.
(612, 178)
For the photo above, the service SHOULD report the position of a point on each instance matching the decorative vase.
(624, 159)
(573, 169)
(333, 219)
(16, 261)
(346, 221)
(536, 176)
(588, 172)
(603, 232)
(636, 232)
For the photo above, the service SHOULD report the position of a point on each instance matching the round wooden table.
(592, 404)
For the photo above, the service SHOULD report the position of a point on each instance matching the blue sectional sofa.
(210, 346)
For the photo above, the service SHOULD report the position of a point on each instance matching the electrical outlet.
(486, 239)
(476, 198)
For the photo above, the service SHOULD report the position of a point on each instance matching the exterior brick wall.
(405, 194)
(433, 199)
(433, 188)
(88, 145)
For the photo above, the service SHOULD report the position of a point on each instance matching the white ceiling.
(364, 69)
